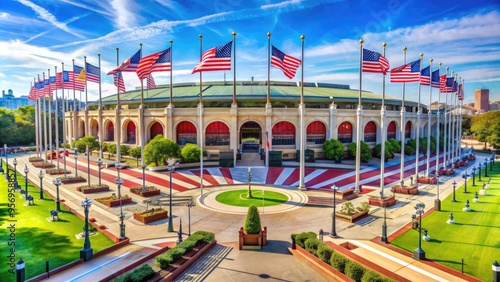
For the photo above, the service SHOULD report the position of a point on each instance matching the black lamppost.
(437, 202)
(486, 167)
(171, 168)
(465, 176)
(6, 162)
(57, 182)
(479, 171)
(1, 166)
(88, 165)
(119, 182)
(491, 162)
(333, 233)
(493, 157)
(384, 226)
(16, 184)
(474, 176)
(76, 162)
(454, 186)
(99, 163)
(26, 171)
(190, 204)
(41, 184)
(419, 254)
(86, 252)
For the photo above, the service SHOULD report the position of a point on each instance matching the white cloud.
(124, 17)
(280, 4)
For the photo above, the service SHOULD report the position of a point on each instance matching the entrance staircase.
(250, 159)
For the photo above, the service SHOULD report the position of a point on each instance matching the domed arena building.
(248, 119)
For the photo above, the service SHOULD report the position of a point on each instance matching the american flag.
(155, 62)
(406, 73)
(425, 76)
(46, 87)
(52, 83)
(151, 82)
(215, 59)
(118, 81)
(92, 73)
(460, 92)
(129, 65)
(39, 88)
(374, 62)
(435, 79)
(284, 62)
(77, 84)
(446, 85)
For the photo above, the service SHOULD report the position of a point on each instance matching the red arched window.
(131, 132)
(186, 133)
(283, 133)
(408, 130)
(217, 134)
(110, 131)
(316, 132)
(370, 132)
(345, 132)
(156, 129)
(391, 130)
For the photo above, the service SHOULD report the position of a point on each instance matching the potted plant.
(350, 213)
(252, 233)
(334, 150)
(151, 215)
(93, 188)
(381, 202)
(148, 191)
(113, 200)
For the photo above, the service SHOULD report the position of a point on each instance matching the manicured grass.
(475, 235)
(239, 198)
(36, 239)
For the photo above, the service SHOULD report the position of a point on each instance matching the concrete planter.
(386, 202)
(258, 240)
(90, 190)
(114, 203)
(73, 180)
(352, 218)
(404, 190)
(150, 218)
(150, 191)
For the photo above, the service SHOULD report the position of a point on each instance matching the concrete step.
(206, 264)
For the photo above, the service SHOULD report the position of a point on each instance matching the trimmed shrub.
(301, 238)
(338, 261)
(252, 221)
(395, 144)
(207, 236)
(412, 143)
(311, 245)
(142, 273)
(409, 150)
(366, 153)
(188, 244)
(333, 149)
(354, 271)
(371, 276)
(190, 153)
(178, 251)
(325, 252)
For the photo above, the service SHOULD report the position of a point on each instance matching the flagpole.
(234, 68)
(56, 120)
(429, 119)
(200, 106)
(452, 124)
(438, 121)
(50, 119)
(359, 115)
(37, 122)
(455, 121)
(403, 128)
(383, 131)
(445, 129)
(417, 147)
(268, 102)
(171, 66)
(64, 117)
(73, 120)
(302, 109)
(117, 111)
(461, 118)
(141, 128)
(44, 119)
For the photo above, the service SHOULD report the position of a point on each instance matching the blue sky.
(464, 35)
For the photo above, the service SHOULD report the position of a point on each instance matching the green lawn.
(239, 198)
(36, 239)
(474, 237)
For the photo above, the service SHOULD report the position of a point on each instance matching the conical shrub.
(252, 221)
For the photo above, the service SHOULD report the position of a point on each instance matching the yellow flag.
(82, 76)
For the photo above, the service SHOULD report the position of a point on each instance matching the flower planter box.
(92, 189)
(150, 191)
(158, 215)
(259, 239)
(43, 165)
(322, 267)
(352, 218)
(427, 180)
(346, 194)
(57, 171)
(113, 201)
(35, 160)
(404, 190)
(73, 180)
(472, 158)
(386, 202)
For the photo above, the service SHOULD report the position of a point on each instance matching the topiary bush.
(301, 238)
(395, 144)
(354, 271)
(252, 221)
(189, 243)
(142, 273)
(207, 236)
(325, 252)
(178, 251)
(338, 261)
(366, 153)
(312, 245)
(371, 276)
(412, 143)
(190, 153)
(409, 150)
(333, 149)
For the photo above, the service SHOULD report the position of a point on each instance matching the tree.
(388, 150)
(190, 153)
(135, 153)
(160, 149)
(395, 144)
(81, 144)
(466, 124)
(333, 149)
(487, 129)
(125, 150)
(365, 151)
(252, 221)
(7, 127)
(112, 148)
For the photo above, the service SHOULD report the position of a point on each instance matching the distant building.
(495, 106)
(10, 102)
(482, 100)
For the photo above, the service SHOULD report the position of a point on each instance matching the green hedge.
(301, 238)
(312, 245)
(142, 273)
(338, 262)
(354, 270)
(372, 276)
(325, 252)
(178, 251)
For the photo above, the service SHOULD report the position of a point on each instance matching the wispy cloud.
(280, 4)
(47, 16)
(124, 17)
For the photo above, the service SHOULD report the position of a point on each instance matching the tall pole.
(403, 128)
(63, 119)
(333, 233)
(234, 68)
(359, 122)
(383, 132)
(429, 123)
(37, 123)
(302, 108)
(88, 165)
(445, 141)
(201, 117)
(268, 98)
(74, 119)
(170, 168)
(417, 147)
(438, 133)
(460, 133)
(56, 120)
(171, 88)
(50, 120)
(118, 124)
(99, 112)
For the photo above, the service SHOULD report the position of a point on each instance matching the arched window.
(110, 131)
(217, 134)
(186, 133)
(131, 132)
(316, 132)
(370, 132)
(283, 133)
(391, 130)
(156, 129)
(345, 132)
(408, 130)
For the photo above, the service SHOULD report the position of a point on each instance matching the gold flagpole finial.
(171, 41)
(421, 55)
(268, 34)
(404, 49)
(447, 68)
(200, 36)
(431, 60)
(384, 44)
(440, 64)
(117, 48)
(302, 37)
(233, 33)
(361, 41)
(140, 44)
(85, 57)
